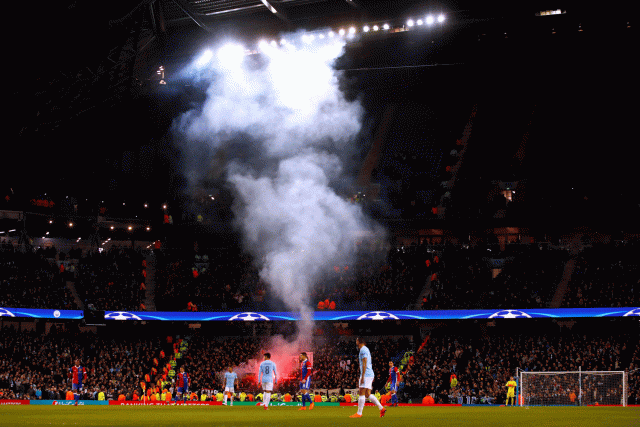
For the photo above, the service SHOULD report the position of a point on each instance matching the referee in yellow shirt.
(511, 391)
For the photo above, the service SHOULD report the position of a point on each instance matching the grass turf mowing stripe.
(175, 416)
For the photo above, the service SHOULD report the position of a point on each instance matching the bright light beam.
(231, 55)
(204, 58)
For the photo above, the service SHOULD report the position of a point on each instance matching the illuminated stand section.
(540, 313)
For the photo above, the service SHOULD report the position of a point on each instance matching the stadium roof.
(68, 45)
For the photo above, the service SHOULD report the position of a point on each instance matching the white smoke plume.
(286, 107)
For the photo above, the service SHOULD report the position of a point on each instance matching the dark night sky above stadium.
(581, 94)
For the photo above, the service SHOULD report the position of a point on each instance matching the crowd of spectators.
(383, 280)
(527, 278)
(220, 280)
(208, 360)
(34, 365)
(227, 280)
(605, 276)
(522, 276)
(484, 364)
(32, 278)
(112, 279)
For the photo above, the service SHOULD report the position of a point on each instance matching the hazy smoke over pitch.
(290, 110)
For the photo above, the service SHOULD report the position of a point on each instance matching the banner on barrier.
(68, 402)
(156, 403)
(405, 404)
(546, 313)
(14, 402)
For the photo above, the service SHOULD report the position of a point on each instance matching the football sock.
(361, 400)
(267, 397)
(224, 399)
(373, 399)
(309, 398)
(304, 399)
(394, 399)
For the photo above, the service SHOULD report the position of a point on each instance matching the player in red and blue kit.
(305, 380)
(77, 373)
(183, 385)
(393, 383)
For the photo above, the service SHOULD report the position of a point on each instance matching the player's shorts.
(267, 386)
(183, 389)
(511, 394)
(77, 386)
(392, 386)
(229, 389)
(305, 385)
(368, 383)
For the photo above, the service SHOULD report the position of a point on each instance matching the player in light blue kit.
(230, 381)
(268, 378)
(366, 380)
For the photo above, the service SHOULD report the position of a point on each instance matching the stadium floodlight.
(410, 23)
(419, 22)
(376, 28)
(331, 34)
(385, 27)
(283, 42)
(440, 18)
(312, 37)
(321, 36)
(352, 30)
(203, 59)
(341, 32)
(262, 44)
(365, 28)
(274, 43)
(430, 20)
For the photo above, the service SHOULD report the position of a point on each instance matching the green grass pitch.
(219, 416)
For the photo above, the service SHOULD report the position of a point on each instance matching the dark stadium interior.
(495, 150)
